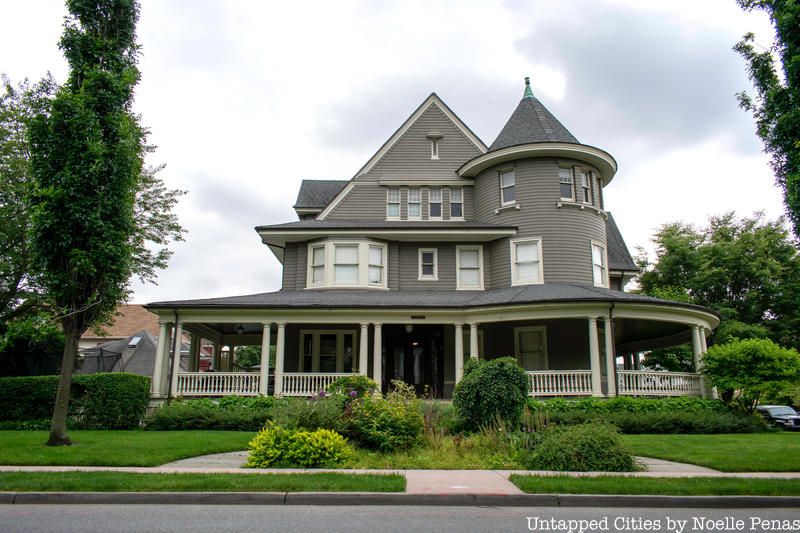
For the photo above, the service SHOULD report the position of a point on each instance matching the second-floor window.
(333, 264)
(318, 265)
(586, 188)
(428, 268)
(392, 203)
(376, 265)
(507, 192)
(567, 184)
(457, 202)
(345, 265)
(414, 203)
(469, 267)
(435, 203)
(598, 265)
(526, 261)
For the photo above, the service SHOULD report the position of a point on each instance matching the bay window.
(345, 265)
(350, 264)
(317, 265)
(376, 265)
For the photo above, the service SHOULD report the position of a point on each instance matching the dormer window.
(435, 203)
(567, 184)
(507, 182)
(586, 188)
(414, 203)
(393, 203)
(457, 202)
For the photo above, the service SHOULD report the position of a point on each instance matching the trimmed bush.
(278, 447)
(390, 424)
(491, 391)
(235, 413)
(581, 448)
(362, 385)
(97, 401)
(318, 412)
(658, 422)
(685, 404)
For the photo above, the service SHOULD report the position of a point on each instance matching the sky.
(244, 99)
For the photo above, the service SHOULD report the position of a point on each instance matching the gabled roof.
(128, 319)
(531, 122)
(316, 194)
(619, 258)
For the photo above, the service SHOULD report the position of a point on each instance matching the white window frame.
(461, 193)
(389, 192)
(585, 185)
(459, 249)
(382, 265)
(418, 203)
(362, 280)
(514, 277)
(431, 202)
(513, 186)
(434, 149)
(518, 353)
(315, 335)
(571, 182)
(334, 264)
(311, 265)
(420, 275)
(604, 256)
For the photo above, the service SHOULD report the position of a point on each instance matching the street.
(352, 519)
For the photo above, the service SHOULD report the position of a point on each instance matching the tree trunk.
(58, 425)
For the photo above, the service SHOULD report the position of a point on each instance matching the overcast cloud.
(245, 99)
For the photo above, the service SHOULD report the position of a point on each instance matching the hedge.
(97, 401)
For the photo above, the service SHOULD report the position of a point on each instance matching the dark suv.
(780, 416)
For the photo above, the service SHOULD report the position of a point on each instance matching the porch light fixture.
(409, 328)
(239, 329)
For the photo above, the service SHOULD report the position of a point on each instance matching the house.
(128, 319)
(442, 248)
(135, 354)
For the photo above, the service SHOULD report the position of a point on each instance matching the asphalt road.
(352, 519)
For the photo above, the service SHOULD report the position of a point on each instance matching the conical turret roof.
(531, 122)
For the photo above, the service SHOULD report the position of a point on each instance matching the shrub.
(581, 448)
(31, 347)
(236, 413)
(319, 412)
(362, 385)
(706, 422)
(685, 404)
(278, 447)
(491, 390)
(248, 402)
(393, 423)
(97, 401)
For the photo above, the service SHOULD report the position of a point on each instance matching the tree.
(31, 346)
(86, 156)
(745, 371)
(777, 104)
(248, 356)
(747, 270)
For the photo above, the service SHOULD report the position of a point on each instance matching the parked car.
(780, 416)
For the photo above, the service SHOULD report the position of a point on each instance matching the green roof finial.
(528, 91)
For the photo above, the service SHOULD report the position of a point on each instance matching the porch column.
(263, 383)
(216, 357)
(194, 354)
(459, 352)
(280, 345)
(176, 358)
(363, 349)
(156, 387)
(377, 354)
(637, 364)
(711, 391)
(611, 359)
(594, 358)
(229, 360)
(473, 340)
(698, 340)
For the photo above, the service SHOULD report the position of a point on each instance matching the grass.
(704, 486)
(117, 448)
(749, 452)
(130, 482)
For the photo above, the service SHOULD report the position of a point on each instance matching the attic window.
(456, 202)
(414, 203)
(435, 203)
(434, 137)
(392, 203)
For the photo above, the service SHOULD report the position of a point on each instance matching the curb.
(397, 498)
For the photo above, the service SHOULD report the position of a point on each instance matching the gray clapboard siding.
(409, 266)
(302, 262)
(289, 281)
(566, 232)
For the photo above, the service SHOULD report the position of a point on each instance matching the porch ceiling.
(640, 334)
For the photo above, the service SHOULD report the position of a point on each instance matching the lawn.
(749, 452)
(704, 486)
(128, 482)
(117, 448)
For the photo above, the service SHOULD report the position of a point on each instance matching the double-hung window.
(392, 203)
(428, 267)
(435, 203)
(456, 202)
(586, 189)
(318, 265)
(599, 265)
(469, 267)
(567, 184)
(376, 265)
(526, 261)
(414, 203)
(507, 192)
(345, 264)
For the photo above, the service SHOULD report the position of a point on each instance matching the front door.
(415, 355)
(530, 346)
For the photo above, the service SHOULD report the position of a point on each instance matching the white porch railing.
(306, 384)
(218, 383)
(654, 383)
(560, 383)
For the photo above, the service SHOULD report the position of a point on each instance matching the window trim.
(518, 354)
(434, 149)
(604, 257)
(500, 173)
(571, 182)
(311, 265)
(450, 201)
(440, 202)
(409, 203)
(398, 202)
(334, 264)
(459, 248)
(585, 185)
(420, 275)
(370, 264)
(362, 282)
(513, 257)
(316, 333)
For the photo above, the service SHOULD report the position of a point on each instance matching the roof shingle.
(531, 122)
(317, 194)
